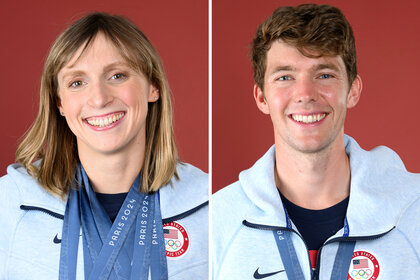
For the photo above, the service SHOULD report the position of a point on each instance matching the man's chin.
(309, 145)
(311, 149)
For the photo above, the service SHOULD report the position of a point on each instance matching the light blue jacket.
(383, 216)
(31, 222)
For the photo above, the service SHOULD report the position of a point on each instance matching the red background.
(387, 41)
(177, 29)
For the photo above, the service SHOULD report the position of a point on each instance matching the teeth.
(105, 121)
(308, 118)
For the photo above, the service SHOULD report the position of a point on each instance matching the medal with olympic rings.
(177, 240)
(364, 266)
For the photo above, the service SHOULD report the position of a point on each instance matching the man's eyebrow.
(281, 68)
(323, 66)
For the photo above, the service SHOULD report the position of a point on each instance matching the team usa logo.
(176, 239)
(364, 266)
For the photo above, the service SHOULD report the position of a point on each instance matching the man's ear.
(355, 92)
(260, 100)
(153, 94)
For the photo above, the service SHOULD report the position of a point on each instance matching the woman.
(98, 191)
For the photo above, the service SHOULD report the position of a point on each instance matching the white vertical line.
(210, 93)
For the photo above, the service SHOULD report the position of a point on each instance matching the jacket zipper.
(315, 274)
(271, 228)
(164, 221)
(185, 214)
(344, 239)
(49, 212)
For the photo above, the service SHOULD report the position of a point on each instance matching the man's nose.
(305, 91)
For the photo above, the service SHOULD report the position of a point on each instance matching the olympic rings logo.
(361, 274)
(171, 244)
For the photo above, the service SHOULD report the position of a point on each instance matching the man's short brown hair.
(311, 28)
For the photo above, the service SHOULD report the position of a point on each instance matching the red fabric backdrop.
(177, 29)
(388, 43)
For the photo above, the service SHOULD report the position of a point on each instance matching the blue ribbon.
(343, 259)
(119, 250)
(291, 262)
(288, 255)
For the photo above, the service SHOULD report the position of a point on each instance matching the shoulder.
(190, 191)
(23, 225)
(10, 197)
(191, 175)
(29, 191)
(408, 224)
(191, 181)
(230, 206)
(232, 197)
(380, 159)
(18, 188)
(184, 207)
(381, 170)
(10, 201)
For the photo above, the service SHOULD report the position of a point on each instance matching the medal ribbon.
(107, 247)
(291, 262)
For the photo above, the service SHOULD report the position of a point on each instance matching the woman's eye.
(76, 84)
(118, 76)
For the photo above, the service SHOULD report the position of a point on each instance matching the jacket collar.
(179, 196)
(376, 197)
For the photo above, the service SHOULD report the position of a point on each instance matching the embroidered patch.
(363, 266)
(177, 240)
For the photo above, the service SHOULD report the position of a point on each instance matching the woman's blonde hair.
(50, 138)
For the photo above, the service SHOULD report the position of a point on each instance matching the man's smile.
(308, 118)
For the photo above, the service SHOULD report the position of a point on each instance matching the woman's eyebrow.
(115, 65)
(72, 73)
(77, 72)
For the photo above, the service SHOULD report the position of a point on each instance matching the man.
(316, 205)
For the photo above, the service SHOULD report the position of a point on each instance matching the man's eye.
(325, 76)
(118, 76)
(284, 78)
(76, 84)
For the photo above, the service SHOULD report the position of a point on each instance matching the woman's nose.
(99, 95)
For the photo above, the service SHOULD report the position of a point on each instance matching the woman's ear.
(154, 94)
(60, 106)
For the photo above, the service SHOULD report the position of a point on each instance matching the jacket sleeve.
(409, 226)
(228, 208)
(9, 217)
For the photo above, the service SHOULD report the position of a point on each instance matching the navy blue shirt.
(316, 226)
(111, 203)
